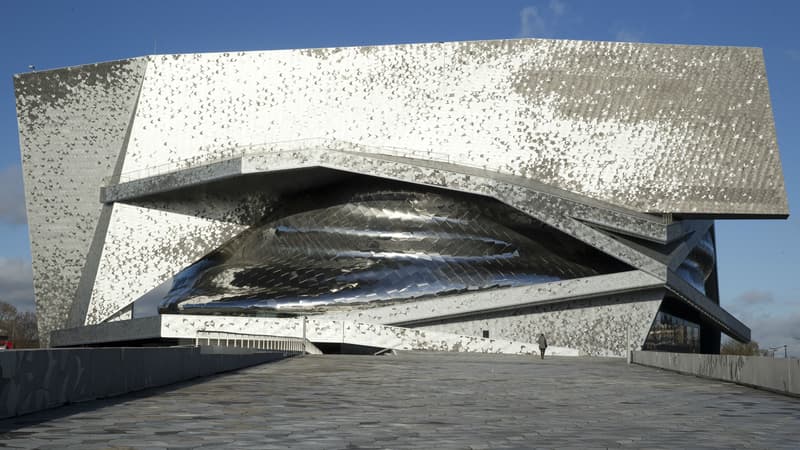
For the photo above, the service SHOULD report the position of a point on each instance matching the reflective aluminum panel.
(356, 245)
(698, 266)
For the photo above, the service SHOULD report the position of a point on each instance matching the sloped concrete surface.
(427, 400)
(34, 380)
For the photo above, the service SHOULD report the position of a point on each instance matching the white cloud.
(558, 7)
(532, 23)
(16, 283)
(12, 199)
(776, 331)
(541, 22)
(754, 297)
(772, 323)
(624, 35)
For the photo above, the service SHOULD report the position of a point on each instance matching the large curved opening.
(358, 243)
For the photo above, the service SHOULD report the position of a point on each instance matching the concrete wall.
(778, 375)
(34, 380)
(319, 330)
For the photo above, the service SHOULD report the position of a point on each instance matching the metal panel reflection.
(355, 246)
(698, 266)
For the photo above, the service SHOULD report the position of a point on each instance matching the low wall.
(33, 380)
(777, 375)
(317, 329)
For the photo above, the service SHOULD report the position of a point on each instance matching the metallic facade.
(367, 244)
(630, 150)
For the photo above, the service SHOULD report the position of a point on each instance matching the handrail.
(221, 154)
(211, 156)
(286, 344)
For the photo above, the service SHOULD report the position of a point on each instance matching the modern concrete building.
(464, 195)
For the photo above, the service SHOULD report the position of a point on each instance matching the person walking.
(542, 344)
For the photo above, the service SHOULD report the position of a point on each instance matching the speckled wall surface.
(475, 303)
(584, 136)
(349, 332)
(660, 128)
(72, 127)
(597, 327)
(153, 238)
(556, 211)
(145, 247)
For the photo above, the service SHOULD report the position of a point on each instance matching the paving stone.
(425, 400)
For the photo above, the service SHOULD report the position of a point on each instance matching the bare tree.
(8, 317)
(7, 312)
(732, 347)
(22, 328)
(26, 331)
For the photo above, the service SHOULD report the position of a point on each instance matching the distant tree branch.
(732, 347)
(21, 328)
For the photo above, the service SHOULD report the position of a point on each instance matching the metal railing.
(250, 341)
(213, 155)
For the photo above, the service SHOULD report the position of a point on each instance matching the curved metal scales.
(380, 245)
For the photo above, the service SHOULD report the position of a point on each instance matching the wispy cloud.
(12, 199)
(754, 297)
(558, 7)
(773, 323)
(541, 21)
(627, 35)
(532, 23)
(778, 331)
(16, 283)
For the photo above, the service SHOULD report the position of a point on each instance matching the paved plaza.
(425, 400)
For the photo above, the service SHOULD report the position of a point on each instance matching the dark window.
(673, 334)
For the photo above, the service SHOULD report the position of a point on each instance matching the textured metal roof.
(654, 128)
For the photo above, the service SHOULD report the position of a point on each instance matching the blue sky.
(758, 260)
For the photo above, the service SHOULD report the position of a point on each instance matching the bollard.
(305, 322)
(628, 348)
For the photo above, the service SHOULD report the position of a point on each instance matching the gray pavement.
(426, 400)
